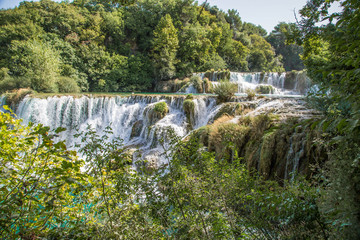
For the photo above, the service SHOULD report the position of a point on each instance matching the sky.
(266, 13)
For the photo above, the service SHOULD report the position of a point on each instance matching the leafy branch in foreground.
(39, 183)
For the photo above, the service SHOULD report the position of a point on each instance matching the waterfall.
(2, 103)
(132, 119)
(285, 83)
(129, 118)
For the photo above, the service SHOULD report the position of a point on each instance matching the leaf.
(60, 129)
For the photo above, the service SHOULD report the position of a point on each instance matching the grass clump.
(225, 91)
(265, 89)
(250, 94)
(208, 86)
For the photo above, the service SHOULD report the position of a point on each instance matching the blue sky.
(267, 13)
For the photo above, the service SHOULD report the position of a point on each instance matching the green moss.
(161, 108)
(189, 107)
(198, 83)
(208, 86)
(266, 154)
(265, 89)
(189, 97)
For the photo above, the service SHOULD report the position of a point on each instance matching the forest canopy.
(112, 46)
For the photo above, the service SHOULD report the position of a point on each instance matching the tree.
(165, 46)
(40, 181)
(332, 56)
(290, 52)
(262, 56)
(37, 61)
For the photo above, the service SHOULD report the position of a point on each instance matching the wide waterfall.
(286, 83)
(131, 119)
(125, 115)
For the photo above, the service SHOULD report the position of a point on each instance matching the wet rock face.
(136, 129)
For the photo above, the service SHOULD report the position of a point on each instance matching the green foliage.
(195, 195)
(331, 56)
(165, 45)
(155, 40)
(161, 108)
(37, 61)
(40, 181)
(265, 89)
(290, 52)
(198, 83)
(262, 57)
(225, 90)
(67, 85)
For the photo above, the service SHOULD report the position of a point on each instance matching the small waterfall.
(204, 107)
(295, 152)
(2, 103)
(285, 83)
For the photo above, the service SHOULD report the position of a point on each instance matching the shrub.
(250, 94)
(14, 98)
(8, 82)
(198, 83)
(265, 89)
(161, 108)
(208, 86)
(67, 85)
(225, 91)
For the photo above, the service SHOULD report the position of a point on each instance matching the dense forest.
(50, 192)
(98, 46)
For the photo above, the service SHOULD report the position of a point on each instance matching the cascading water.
(132, 119)
(286, 83)
(2, 103)
(123, 114)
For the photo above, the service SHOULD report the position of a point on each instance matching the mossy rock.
(189, 97)
(265, 89)
(161, 108)
(198, 83)
(266, 154)
(156, 112)
(14, 97)
(208, 86)
(290, 80)
(189, 108)
(136, 129)
(230, 109)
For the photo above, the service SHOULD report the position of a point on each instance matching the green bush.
(265, 89)
(67, 85)
(250, 94)
(161, 108)
(198, 83)
(225, 91)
